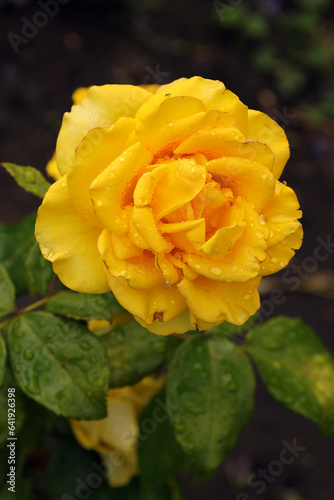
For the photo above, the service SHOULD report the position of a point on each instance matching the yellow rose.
(172, 201)
(115, 437)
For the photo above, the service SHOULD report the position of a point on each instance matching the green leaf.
(28, 178)
(84, 306)
(296, 368)
(7, 293)
(15, 241)
(210, 388)
(133, 353)
(69, 468)
(156, 439)
(38, 271)
(230, 331)
(3, 355)
(60, 364)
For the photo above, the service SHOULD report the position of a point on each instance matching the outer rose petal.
(70, 242)
(264, 129)
(95, 152)
(180, 324)
(280, 255)
(161, 302)
(118, 432)
(214, 302)
(102, 107)
(212, 93)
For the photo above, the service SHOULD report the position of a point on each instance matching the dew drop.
(259, 234)
(234, 268)
(247, 296)
(16, 348)
(215, 270)
(28, 354)
(274, 260)
(282, 264)
(197, 266)
(99, 203)
(263, 175)
(261, 220)
(121, 158)
(85, 346)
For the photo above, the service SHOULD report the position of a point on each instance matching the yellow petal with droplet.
(94, 153)
(213, 301)
(223, 240)
(108, 190)
(143, 221)
(69, 241)
(246, 178)
(264, 129)
(161, 302)
(139, 271)
(102, 107)
(182, 182)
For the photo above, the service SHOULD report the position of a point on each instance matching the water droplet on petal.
(215, 270)
(259, 234)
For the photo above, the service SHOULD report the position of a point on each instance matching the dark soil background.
(276, 56)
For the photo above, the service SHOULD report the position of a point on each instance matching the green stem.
(33, 306)
(5, 322)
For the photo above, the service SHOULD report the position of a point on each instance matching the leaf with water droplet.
(133, 353)
(7, 293)
(156, 439)
(209, 412)
(28, 178)
(230, 331)
(296, 368)
(38, 271)
(84, 306)
(58, 373)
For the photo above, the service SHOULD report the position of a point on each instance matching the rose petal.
(247, 178)
(281, 214)
(264, 129)
(107, 191)
(280, 255)
(182, 182)
(69, 241)
(95, 152)
(102, 107)
(162, 302)
(212, 301)
(140, 271)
